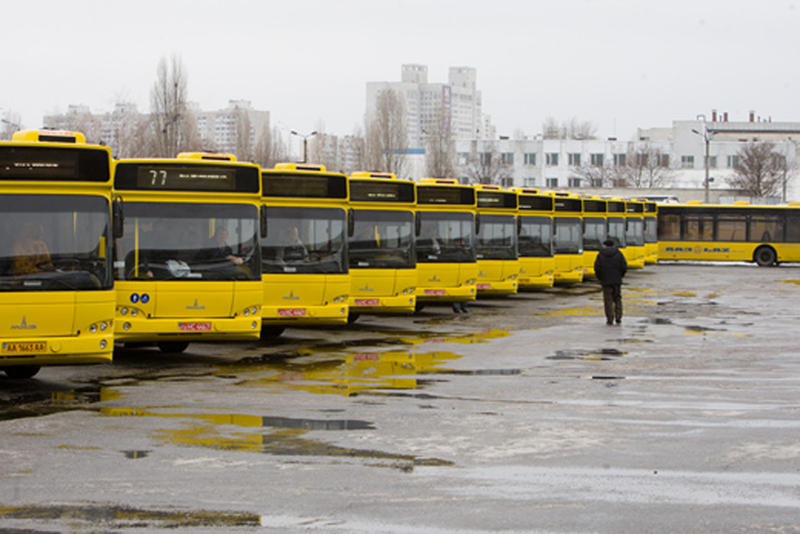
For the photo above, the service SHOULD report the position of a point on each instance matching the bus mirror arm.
(477, 223)
(417, 225)
(351, 222)
(519, 225)
(263, 220)
(118, 218)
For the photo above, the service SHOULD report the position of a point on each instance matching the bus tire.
(353, 317)
(174, 347)
(21, 371)
(418, 307)
(765, 256)
(271, 332)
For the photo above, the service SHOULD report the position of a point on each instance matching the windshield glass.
(54, 243)
(568, 237)
(382, 239)
(616, 231)
(188, 241)
(635, 233)
(446, 237)
(594, 233)
(497, 239)
(650, 230)
(304, 240)
(536, 237)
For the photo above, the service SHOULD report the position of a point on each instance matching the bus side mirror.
(417, 225)
(263, 220)
(118, 218)
(519, 225)
(351, 222)
(477, 223)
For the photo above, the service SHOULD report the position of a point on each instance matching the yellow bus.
(615, 224)
(536, 259)
(381, 252)
(634, 234)
(496, 241)
(595, 231)
(766, 235)
(304, 255)
(56, 283)
(650, 232)
(446, 263)
(568, 238)
(188, 267)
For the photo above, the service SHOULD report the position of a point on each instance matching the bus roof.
(49, 136)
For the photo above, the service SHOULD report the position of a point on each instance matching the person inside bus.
(292, 247)
(31, 254)
(430, 239)
(218, 248)
(610, 267)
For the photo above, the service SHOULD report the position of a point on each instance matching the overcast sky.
(619, 64)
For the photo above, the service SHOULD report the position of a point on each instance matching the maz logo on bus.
(698, 250)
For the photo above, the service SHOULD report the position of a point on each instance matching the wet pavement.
(528, 414)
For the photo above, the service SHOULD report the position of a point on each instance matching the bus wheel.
(21, 371)
(418, 307)
(353, 317)
(175, 347)
(765, 256)
(269, 332)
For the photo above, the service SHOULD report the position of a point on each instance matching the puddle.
(136, 455)
(479, 372)
(694, 329)
(120, 517)
(38, 403)
(584, 354)
(317, 424)
(657, 321)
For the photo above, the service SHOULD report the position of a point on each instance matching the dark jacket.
(610, 266)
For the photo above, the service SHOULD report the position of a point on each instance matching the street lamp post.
(707, 138)
(305, 142)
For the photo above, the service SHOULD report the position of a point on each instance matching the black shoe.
(609, 323)
(456, 309)
(619, 321)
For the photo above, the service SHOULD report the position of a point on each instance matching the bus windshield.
(54, 243)
(650, 230)
(635, 232)
(536, 237)
(188, 241)
(616, 231)
(568, 237)
(446, 237)
(594, 233)
(304, 240)
(497, 238)
(382, 239)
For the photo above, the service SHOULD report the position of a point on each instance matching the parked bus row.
(96, 251)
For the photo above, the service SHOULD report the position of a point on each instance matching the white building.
(221, 128)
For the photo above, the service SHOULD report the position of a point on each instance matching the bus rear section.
(381, 251)
(188, 267)
(446, 260)
(306, 278)
(56, 285)
(496, 241)
(568, 239)
(535, 239)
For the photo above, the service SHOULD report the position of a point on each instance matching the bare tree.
(245, 151)
(387, 137)
(10, 124)
(595, 175)
(487, 167)
(646, 166)
(574, 129)
(175, 127)
(760, 170)
(441, 147)
(270, 148)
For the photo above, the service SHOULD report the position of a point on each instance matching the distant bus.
(634, 234)
(650, 233)
(568, 238)
(188, 268)
(57, 294)
(304, 255)
(496, 241)
(536, 258)
(595, 231)
(616, 223)
(446, 260)
(381, 251)
(765, 235)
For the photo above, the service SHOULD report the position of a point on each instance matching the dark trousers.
(612, 302)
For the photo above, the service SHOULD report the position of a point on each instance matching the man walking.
(610, 267)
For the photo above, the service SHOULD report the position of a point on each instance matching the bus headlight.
(103, 326)
(93, 329)
(254, 325)
(126, 326)
(103, 343)
(134, 312)
(123, 311)
(246, 312)
(255, 310)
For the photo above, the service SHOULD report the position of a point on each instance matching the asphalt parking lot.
(528, 414)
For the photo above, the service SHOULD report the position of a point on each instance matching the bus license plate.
(484, 286)
(367, 302)
(292, 312)
(435, 292)
(194, 327)
(25, 347)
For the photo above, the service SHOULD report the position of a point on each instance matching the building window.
(552, 182)
(597, 160)
(530, 158)
(507, 182)
(687, 162)
(574, 159)
(508, 158)
(712, 162)
(486, 158)
(733, 161)
(574, 182)
(663, 160)
(619, 160)
(463, 158)
(552, 159)
(529, 182)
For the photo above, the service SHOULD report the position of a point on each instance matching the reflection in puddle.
(317, 424)
(657, 321)
(136, 455)
(479, 372)
(583, 354)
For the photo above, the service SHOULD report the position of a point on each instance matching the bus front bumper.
(400, 304)
(574, 276)
(446, 294)
(498, 287)
(142, 329)
(536, 282)
(335, 314)
(83, 349)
